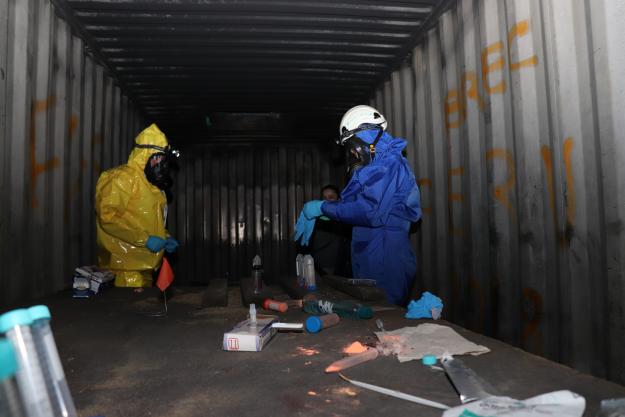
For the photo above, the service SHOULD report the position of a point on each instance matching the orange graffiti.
(454, 104)
(571, 203)
(518, 30)
(548, 161)
(493, 59)
(38, 168)
(490, 67)
(73, 125)
(532, 315)
(570, 182)
(502, 190)
(425, 182)
(473, 91)
(97, 140)
(455, 172)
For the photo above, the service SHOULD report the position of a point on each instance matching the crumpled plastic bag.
(428, 306)
(556, 404)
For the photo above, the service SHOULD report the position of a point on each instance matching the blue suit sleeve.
(372, 205)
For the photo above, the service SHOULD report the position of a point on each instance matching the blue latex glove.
(171, 244)
(422, 309)
(312, 209)
(155, 244)
(304, 228)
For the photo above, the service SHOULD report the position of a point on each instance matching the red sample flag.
(165, 276)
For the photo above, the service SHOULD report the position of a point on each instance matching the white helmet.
(355, 117)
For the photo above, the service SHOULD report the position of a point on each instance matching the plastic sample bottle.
(30, 380)
(58, 390)
(309, 273)
(316, 323)
(253, 320)
(10, 402)
(299, 270)
(274, 305)
(347, 308)
(257, 274)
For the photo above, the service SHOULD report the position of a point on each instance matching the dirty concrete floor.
(121, 362)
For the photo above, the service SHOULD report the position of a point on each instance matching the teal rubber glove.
(304, 229)
(312, 209)
(155, 244)
(171, 244)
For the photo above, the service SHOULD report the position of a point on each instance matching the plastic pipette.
(353, 360)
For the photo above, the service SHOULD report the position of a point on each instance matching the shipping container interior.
(513, 111)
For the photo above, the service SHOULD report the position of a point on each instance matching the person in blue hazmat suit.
(380, 201)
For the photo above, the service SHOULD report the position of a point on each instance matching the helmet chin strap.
(375, 142)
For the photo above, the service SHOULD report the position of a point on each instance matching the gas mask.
(359, 153)
(160, 165)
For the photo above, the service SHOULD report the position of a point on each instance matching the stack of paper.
(90, 280)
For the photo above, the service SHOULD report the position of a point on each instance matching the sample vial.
(30, 380)
(274, 305)
(10, 402)
(58, 390)
(316, 323)
(309, 273)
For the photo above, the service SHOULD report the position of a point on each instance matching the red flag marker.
(165, 276)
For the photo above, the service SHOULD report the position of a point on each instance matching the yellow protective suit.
(129, 209)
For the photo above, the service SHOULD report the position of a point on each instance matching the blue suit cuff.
(329, 208)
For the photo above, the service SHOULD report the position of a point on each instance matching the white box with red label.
(249, 337)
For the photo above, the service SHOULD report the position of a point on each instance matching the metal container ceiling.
(180, 60)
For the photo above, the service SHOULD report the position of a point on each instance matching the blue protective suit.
(381, 201)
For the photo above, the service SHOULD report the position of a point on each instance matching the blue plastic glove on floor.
(304, 229)
(171, 244)
(422, 309)
(312, 209)
(155, 244)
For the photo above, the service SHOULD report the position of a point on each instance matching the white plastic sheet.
(553, 404)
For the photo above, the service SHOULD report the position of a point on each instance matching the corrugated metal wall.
(62, 121)
(516, 113)
(233, 201)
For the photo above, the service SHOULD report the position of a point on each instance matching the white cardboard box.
(248, 338)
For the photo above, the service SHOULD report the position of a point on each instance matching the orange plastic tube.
(353, 360)
(274, 305)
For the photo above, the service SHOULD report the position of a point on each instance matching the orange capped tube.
(274, 305)
(353, 360)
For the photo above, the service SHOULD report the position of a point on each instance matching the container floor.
(120, 361)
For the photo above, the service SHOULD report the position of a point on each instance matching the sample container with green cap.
(58, 390)
(10, 401)
(30, 381)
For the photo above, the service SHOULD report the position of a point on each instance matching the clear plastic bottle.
(299, 269)
(30, 380)
(345, 309)
(309, 273)
(257, 274)
(58, 390)
(10, 402)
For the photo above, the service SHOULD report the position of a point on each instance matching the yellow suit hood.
(151, 135)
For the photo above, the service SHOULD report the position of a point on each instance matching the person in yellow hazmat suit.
(131, 211)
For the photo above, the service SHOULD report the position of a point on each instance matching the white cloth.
(412, 343)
